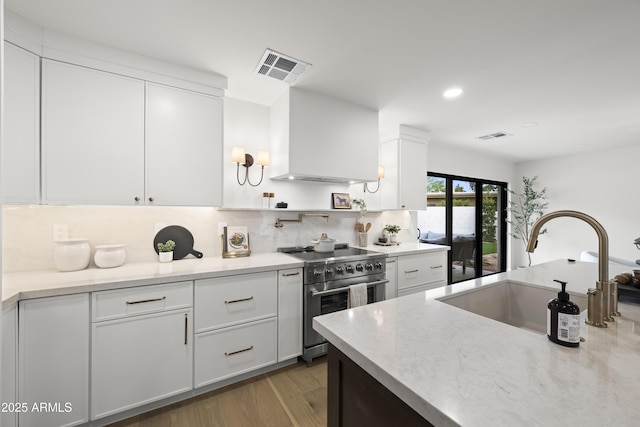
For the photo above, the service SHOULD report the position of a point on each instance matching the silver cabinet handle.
(238, 351)
(137, 199)
(391, 261)
(291, 274)
(151, 199)
(146, 300)
(437, 266)
(238, 300)
(411, 271)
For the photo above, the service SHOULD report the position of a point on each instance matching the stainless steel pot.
(324, 244)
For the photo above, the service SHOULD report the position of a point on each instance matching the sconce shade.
(263, 158)
(380, 171)
(237, 154)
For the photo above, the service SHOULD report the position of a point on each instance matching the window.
(469, 215)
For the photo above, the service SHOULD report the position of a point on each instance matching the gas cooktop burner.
(341, 253)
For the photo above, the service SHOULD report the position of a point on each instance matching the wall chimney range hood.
(317, 138)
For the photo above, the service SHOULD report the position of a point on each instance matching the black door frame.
(502, 219)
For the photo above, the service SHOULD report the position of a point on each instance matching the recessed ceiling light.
(453, 92)
(529, 124)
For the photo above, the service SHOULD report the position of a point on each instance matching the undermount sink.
(516, 304)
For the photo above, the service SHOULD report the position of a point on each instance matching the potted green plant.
(393, 231)
(525, 209)
(165, 251)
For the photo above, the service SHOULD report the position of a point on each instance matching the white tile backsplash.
(28, 230)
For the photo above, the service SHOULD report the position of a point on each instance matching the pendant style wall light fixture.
(380, 175)
(239, 156)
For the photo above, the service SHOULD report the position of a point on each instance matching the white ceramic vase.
(109, 256)
(72, 254)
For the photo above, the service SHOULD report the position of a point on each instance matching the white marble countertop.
(37, 284)
(457, 368)
(407, 248)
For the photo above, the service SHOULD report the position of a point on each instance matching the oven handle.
(338, 290)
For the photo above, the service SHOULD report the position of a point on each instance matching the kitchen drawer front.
(419, 269)
(231, 300)
(421, 288)
(224, 353)
(108, 305)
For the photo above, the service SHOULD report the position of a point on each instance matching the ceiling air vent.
(281, 67)
(494, 136)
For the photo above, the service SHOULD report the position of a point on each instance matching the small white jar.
(72, 254)
(109, 256)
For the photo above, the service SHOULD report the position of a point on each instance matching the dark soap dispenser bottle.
(563, 319)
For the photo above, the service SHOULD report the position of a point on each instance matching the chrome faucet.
(602, 303)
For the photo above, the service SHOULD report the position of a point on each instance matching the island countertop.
(454, 367)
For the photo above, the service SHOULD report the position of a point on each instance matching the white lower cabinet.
(231, 351)
(391, 288)
(422, 271)
(53, 367)
(8, 415)
(141, 358)
(289, 314)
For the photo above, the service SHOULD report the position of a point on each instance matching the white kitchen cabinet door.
(21, 139)
(140, 359)
(404, 185)
(183, 147)
(53, 350)
(92, 136)
(289, 314)
(8, 415)
(391, 288)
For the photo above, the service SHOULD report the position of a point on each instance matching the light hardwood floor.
(292, 396)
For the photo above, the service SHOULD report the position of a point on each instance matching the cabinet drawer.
(419, 269)
(141, 300)
(232, 351)
(421, 288)
(227, 301)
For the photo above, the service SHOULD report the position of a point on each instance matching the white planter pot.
(393, 238)
(109, 256)
(165, 256)
(72, 254)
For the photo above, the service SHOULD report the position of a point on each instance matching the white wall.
(468, 163)
(602, 184)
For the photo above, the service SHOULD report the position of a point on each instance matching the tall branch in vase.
(525, 209)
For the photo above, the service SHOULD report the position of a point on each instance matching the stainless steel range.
(327, 277)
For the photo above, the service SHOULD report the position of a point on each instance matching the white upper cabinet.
(183, 147)
(405, 170)
(92, 136)
(21, 140)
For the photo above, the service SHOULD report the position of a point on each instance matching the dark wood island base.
(355, 398)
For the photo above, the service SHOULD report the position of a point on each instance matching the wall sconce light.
(238, 156)
(380, 175)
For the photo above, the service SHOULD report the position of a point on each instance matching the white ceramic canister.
(109, 256)
(72, 254)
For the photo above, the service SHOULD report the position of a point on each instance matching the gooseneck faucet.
(600, 298)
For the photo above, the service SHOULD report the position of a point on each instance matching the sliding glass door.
(469, 215)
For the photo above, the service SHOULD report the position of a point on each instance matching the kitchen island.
(452, 367)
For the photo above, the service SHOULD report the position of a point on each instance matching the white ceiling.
(573, 66)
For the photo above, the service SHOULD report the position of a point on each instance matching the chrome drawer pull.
(391, 261)
(238, 300)
(437, 266)
(411, 271)
(291, 274)
(146, 300)
(238, 351)
(186, 328)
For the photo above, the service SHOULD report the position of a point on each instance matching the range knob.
(328, 272)
(349, 268)
(317, 274)
(359, 268)
(368, 266)
(339, 270)
(378, 265)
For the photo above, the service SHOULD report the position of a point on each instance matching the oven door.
(317, 302)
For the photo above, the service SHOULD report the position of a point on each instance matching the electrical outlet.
(60, 232)
(221, 226)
